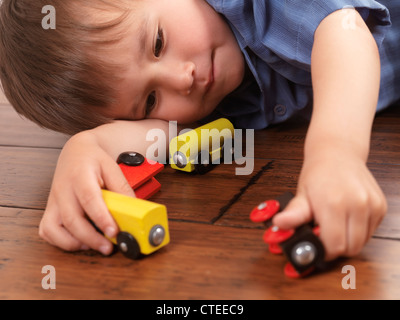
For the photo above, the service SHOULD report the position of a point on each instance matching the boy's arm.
(87, 164)
(346, 78)
(335, 186)
(121, 136)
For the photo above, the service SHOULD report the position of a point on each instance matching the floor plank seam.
(383, 163)
(237, 196)
(386, 238)
(189, 221)
(29, 147)
(227, 225)
(17, 207)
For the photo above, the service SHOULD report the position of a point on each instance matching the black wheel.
(304, 249)
(203, 164)
(130, 158)
(128, 245)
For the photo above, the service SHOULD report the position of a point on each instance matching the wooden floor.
(215, 251)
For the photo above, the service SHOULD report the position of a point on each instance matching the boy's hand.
(83, 169)
(338, 191)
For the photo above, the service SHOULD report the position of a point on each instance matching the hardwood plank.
(220, 195)
(388, 178)
(201, 262)
(278, 142)
(277, 177)
(225, 260)
(286, 141)
(282, 176)
(201, 198)
(17, 131)
(26, 175)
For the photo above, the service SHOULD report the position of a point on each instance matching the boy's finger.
(114, 180)
(296, 213)
(374, 222)
(73, 219)
(357, 233)
(54, 232)
(84, 232)
(333, 233)
(378, 209)
(91, 201)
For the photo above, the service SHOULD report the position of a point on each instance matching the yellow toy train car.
(143, 224)
(198, 149)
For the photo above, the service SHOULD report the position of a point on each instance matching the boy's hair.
(55, 77)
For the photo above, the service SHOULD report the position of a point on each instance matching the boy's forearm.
(346, 76)
(120, 136)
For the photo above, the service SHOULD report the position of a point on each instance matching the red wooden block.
(148, 189)
(140, 174)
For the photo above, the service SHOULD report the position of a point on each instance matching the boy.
(258, 63)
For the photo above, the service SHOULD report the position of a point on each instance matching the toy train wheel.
(128, 245)
(304, 253)
(130, 158)
(203, 164)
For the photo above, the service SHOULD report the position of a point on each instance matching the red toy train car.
(301, 246)
(140, 172)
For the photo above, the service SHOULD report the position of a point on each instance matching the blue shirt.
(276, 38)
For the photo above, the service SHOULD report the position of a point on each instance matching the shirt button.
(280, 110)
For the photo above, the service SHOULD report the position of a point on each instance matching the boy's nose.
(179, 77)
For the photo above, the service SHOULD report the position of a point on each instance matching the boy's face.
(181, 60)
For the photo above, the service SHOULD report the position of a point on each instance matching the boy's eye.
(159, 43)
(151, 102)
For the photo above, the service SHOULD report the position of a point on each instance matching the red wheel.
(291, 272)
(264, 211)
(316, 231)
(274, 235)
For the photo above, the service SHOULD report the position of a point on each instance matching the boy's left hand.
(341, 195)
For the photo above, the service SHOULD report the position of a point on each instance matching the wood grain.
(17, 131)
(215, 251)
(26, 175)
(287, 172)
(201, 262)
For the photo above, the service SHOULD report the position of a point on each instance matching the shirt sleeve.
(291, 34)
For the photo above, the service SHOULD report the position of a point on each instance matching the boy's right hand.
(83, 169)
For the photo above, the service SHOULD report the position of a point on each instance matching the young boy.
(256, 62)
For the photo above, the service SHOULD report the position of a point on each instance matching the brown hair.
(54, 76)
